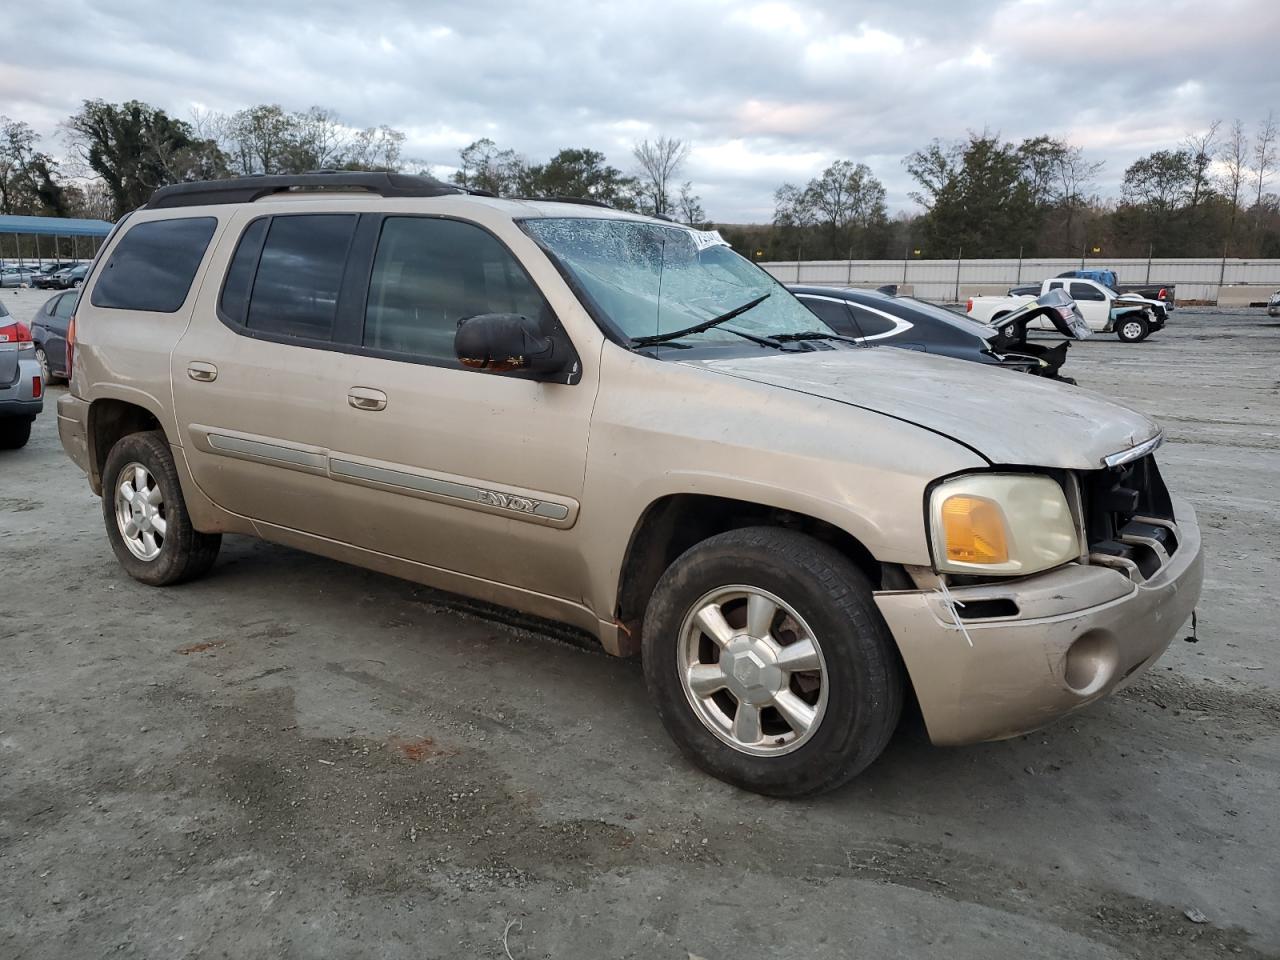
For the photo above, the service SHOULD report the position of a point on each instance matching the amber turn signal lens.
(974, 530)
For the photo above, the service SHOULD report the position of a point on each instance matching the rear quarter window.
(152, 266)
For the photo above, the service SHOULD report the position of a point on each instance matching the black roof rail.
(249, 189)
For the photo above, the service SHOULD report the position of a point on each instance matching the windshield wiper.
(700, 327)
(816, 335)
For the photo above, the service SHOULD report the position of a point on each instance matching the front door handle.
(204, 372)
(366, 398)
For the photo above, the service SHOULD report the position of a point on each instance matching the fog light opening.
(1090, 663)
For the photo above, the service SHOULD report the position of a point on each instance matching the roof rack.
(251, 188)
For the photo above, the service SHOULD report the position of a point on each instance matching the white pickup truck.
(1132, 318)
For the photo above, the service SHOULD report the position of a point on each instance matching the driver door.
(1093, 304)
(471, 472)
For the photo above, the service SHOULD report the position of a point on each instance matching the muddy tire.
(146, 518)
(14, 432)
(769, 663)
(1133, 329)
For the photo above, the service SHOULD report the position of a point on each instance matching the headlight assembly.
(1001, 523)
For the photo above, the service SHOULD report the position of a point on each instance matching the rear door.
(467, 471)
(256, 375)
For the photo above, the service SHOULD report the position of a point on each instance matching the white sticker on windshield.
(702, 239)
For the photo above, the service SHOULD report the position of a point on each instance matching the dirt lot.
(295, 758)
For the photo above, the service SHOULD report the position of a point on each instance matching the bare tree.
(1264, 164)
(1073, 178)
(375, 148)
(689, 206)
(1202, 147)
(660, 162)
(320, 140)
(1233, 156)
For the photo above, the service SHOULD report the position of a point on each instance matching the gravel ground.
(296, 758)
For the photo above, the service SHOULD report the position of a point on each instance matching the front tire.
(146, 518)
(1133, 329)
(769, 663)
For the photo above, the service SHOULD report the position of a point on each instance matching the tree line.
(120, 153)
(981, 196)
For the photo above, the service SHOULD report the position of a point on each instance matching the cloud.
(767, 91)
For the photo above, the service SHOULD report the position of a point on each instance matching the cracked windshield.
(650, 280)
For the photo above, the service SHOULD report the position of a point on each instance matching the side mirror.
(513, 343)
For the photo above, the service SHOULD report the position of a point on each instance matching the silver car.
(21, 385)
(17, 276)
(1273, 305)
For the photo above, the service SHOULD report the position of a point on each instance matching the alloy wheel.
(140, 512)
(752, 670)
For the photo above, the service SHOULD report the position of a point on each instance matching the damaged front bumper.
(1034, 649)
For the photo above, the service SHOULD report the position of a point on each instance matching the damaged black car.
(878, 318)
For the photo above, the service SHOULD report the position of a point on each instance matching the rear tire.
(147, 520)
(46, 372)
(850, 682)
(14, 432)
(1133, 329)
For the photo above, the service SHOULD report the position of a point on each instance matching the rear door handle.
(366, 398)
(204, 372)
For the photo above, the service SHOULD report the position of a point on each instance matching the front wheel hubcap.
(1132, 331)
(752, 670)
(140, 512)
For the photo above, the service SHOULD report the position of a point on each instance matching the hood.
(1007, 417)
(1057, 306)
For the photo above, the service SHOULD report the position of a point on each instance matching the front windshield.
(650, 279)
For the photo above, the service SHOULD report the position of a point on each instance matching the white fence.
(948, 280)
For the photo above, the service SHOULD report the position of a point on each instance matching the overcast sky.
(765, 91)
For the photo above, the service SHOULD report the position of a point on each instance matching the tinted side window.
(1082, 291)
(1056, 285)
(295, 292)
(152, 266)
(428, 274)
(872, 323)
(833, 314)
(235, 290)
(66, 305)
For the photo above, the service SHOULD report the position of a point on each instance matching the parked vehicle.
(878, 319)
(1273, 305)
(16, 276)
(790, 528)
(21, 387)
(49, 279)
(49, 333)
(69, 279)
(1164, 292)
(1130, 317)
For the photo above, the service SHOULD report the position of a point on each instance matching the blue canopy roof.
(54, 226)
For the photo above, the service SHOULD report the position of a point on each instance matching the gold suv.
(616, 422)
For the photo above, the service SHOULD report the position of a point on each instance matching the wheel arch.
(109, 419)
(674, 523)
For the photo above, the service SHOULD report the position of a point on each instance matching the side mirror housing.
(514, 344)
